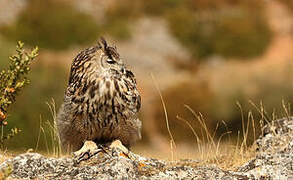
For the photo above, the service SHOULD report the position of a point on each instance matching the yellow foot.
(117, 144)
(88, 150)
(125, 152)
(88, 146)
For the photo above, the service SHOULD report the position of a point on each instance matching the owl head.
(110, 58)
(91, 61)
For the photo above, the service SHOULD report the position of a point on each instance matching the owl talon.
(86, 155)
(117, 144)
(88, 150)
(102, 147)
(88, 146)
(83, 157)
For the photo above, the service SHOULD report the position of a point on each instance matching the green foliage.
(207, 27)
(12, 81)
(156, 8)
(231, 34)
(52, 24)
(119, 16)
(118, 28)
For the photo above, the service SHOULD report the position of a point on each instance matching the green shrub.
(52, 24)
(31, 109)
(12, 81)
(231, 31)
(31, 106)
(118, 28)
(157, 8)
(119, 16)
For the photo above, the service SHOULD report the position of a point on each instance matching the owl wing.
(133, 92)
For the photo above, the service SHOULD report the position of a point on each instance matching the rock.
(110, 165)
(275, 147)
(274, 160)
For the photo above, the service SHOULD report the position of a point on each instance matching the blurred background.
(205, 55)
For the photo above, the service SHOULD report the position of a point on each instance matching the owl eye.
(111, 61)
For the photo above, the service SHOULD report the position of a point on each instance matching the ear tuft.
(108, 50)
(103, 43)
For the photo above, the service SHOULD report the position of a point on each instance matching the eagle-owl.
(101, 101)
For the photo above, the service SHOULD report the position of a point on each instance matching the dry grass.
(228, 156)
(4, 155)
(207, 149)
(225, 155)
(172, 142)
(50, 133)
